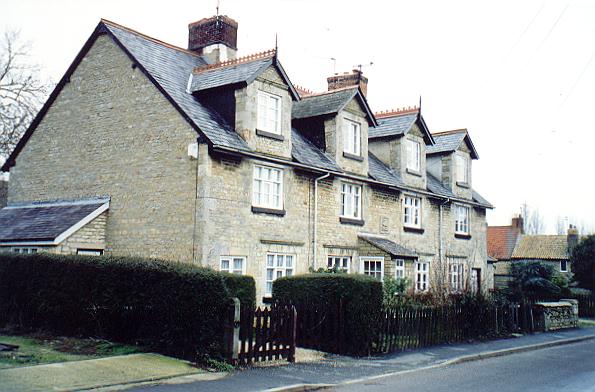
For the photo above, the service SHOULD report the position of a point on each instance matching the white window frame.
(89, 252)
(413, 155)
(399, 268)
(421, 269)
(352, 137)
(25, 250)
(231, 267)
(369, 272)
(343, 263)
(565, 265)
(411, 211)
(278, 266)
(261, 183)
(462, 219)
(351, 200)
(267, 121)
(456, 272)
(462, 167)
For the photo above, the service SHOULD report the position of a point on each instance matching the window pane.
(224, 264)
(237, 264)
(270, 273)
(270, 260)
(289, 261)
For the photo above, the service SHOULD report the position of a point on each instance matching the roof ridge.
(333, 91)
(240, 60)
(460, 130)
(304, 90)
(397, 112)
(155, 40)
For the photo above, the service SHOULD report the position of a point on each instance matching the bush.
(533, 280)
(583, 262)
(394, 291)
(173, 308)
(361, 295)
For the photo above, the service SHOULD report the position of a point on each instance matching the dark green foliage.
(172, 308)
(394, 291)
(362, 300)
(242, 287)
(533, 280)
(583, 262)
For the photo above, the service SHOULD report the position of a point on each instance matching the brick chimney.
(347, 79)
(572, 238)
(216, 38)
(517, 222)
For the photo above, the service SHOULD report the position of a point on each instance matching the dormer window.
(269, 113)
(413, 155)
(352, 138)
(462, 164)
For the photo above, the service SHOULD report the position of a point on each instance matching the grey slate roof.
(380, 172)
(479, 199)
(230, 74)
(435, 186)
(303, 151)
(392, 126)
(388, 246)
(326, 103)
(446, 142)
(171, 69)
(43, 221)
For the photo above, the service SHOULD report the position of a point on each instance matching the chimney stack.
(355, 78)
(517, 222)
(215, 38)
(572, 238)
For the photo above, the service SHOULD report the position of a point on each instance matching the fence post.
(233, 333)
(293, 330)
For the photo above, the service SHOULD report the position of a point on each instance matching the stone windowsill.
(351, 221)
(270, 135)
(463, 236)
(353, 156)
(270, 211)
(463, 184)
(417, 230)
(413, 172)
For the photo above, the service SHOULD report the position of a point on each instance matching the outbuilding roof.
(542, 247)
(501, 241)
(48, 221)
(388, 246)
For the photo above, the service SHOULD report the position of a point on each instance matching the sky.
(519, 75)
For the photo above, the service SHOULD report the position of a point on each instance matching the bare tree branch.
(21, 91)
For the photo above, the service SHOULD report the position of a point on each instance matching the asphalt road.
(563, 368)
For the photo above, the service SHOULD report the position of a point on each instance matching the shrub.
(394, 291)
(362, 301)
(173, 308)
(533, 280)
(583, 262)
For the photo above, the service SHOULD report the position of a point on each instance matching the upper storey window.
(413, 155)
(462, 163)
(267, 191)
(351, 201)
(352, 139)
(269, 113)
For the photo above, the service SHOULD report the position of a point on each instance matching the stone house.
(501, 243)
(194, 155)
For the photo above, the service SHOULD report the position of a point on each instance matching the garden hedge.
(173, 308)
(362, 299)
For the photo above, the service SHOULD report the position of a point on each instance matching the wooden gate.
(261, 334)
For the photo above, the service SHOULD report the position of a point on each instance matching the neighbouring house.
(501, 243)
(554, 250)
(197, 156)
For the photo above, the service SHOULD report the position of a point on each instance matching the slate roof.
(542, 247)
(380, 172)
(229, 74)
(304, 152)
(388, 246)
(435, 186)
(501, 241)
(450, 141)
(170, 67)
(480, 199)
(44, 221)
(325, 103)
(392, 126)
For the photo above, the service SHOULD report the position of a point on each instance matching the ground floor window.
(563, 266)
(456, 276)
(89, 252)
(278, 265)
(399, 269)
(233, 264)
(422, 276)
(24, 250)
(341, 263)
(373, 266)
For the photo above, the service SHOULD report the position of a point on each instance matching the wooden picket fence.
(410, 327)
(586, 305)
(261, 334)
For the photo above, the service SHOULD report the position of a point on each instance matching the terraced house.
(197, 156)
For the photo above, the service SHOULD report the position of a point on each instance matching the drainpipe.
(315, 264)
(440, 239)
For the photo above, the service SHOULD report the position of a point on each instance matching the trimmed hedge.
(362, 299)
(173, 308)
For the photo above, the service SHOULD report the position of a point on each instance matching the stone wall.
(111, 132)
(556, 315)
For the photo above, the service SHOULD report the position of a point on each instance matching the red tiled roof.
(501, 241)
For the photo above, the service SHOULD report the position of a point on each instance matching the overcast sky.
(519, 75)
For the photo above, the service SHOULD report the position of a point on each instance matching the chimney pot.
(215, 38)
